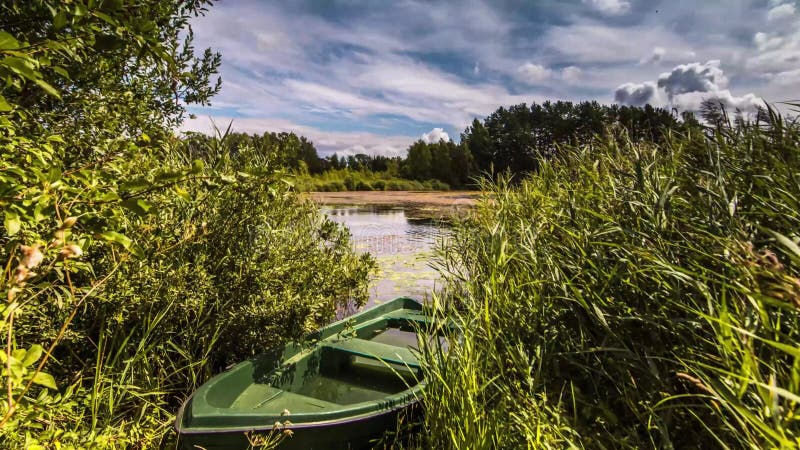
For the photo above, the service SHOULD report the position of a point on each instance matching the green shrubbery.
(136, 264)
(340, 180)
(630, 296)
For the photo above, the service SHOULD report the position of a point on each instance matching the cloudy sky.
(364, 76)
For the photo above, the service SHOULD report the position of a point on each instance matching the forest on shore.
(510, 140)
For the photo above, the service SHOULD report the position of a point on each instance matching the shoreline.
(440, 205)
(396, 198)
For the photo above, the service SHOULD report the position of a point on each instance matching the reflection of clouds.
(386, 239)
(403, 248)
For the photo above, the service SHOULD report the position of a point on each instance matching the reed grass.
(628, 295)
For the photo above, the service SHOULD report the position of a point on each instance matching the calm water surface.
(402, 246)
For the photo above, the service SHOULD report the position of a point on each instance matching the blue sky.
(373, 76)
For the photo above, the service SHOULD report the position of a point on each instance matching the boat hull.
(345, 390)
(356, 434)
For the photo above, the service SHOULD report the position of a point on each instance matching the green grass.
(628, 296)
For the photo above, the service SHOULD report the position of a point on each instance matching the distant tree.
(418, 161)
(514, 139)
(477, 139)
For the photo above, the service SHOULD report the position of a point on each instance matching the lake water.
(402, 246)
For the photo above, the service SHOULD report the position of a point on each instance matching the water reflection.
(402, 246)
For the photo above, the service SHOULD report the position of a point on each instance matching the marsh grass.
(628, 295)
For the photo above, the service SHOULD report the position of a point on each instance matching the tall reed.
(629, 296)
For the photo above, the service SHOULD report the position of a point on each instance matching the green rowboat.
(341, 391)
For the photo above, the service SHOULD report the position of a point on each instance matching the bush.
(363, 185)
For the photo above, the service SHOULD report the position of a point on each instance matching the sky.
(366, 76)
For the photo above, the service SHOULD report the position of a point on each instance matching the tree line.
(511, 139)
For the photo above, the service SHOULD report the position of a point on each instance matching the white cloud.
(435, 135)
(656, 56)
(571, 74)
(781, 12)
(612, 7)
(591, 42)
(533, 73)
(787, 78)
(766, 42)
(362, 71)
(691, 101)
(776, 53)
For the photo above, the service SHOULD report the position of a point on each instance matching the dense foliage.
(136, 264)
(363, 180)
(630, 295)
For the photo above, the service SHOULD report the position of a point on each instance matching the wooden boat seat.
(376, 350)
(410, 316)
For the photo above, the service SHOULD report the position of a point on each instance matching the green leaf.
(108, 19)
(138, 206)
(12, 223)
(793, 249)
(183, 193)
(60, 20)
(111, 5)
(54, 175)
(4, 105)
(46, 380)
(61, 71)
(80, 10)
(23, 66)
(168, 176)
(118, 238)
(32, 355)
(135, 185)
(7, 41)
(48, 88)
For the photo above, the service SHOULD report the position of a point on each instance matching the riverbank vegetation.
(136, 264)
(629, 294)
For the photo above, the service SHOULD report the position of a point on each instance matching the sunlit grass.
(629, 296)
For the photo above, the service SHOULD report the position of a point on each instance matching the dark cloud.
(686, 86)
(693, 77)
(637, 94)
